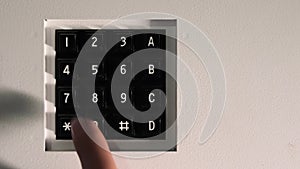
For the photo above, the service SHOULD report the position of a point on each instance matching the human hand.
(91, 155)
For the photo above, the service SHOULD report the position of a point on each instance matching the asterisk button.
(67, 126)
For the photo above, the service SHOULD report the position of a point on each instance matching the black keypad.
(70, 43)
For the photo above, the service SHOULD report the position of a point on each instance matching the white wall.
(258, 42)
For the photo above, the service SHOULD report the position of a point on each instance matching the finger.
(92, 156)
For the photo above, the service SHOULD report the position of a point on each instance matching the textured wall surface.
(258, 42)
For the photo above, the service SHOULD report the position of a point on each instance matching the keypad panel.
(69, 43)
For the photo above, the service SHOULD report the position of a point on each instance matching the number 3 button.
(123, 40)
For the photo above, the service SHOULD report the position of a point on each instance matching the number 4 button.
(65, 70)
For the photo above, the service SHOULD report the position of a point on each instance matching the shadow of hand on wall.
(17, 107)
(5, 166)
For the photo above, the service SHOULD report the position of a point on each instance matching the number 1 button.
(67, 43)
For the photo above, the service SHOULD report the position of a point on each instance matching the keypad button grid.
(69, 44)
